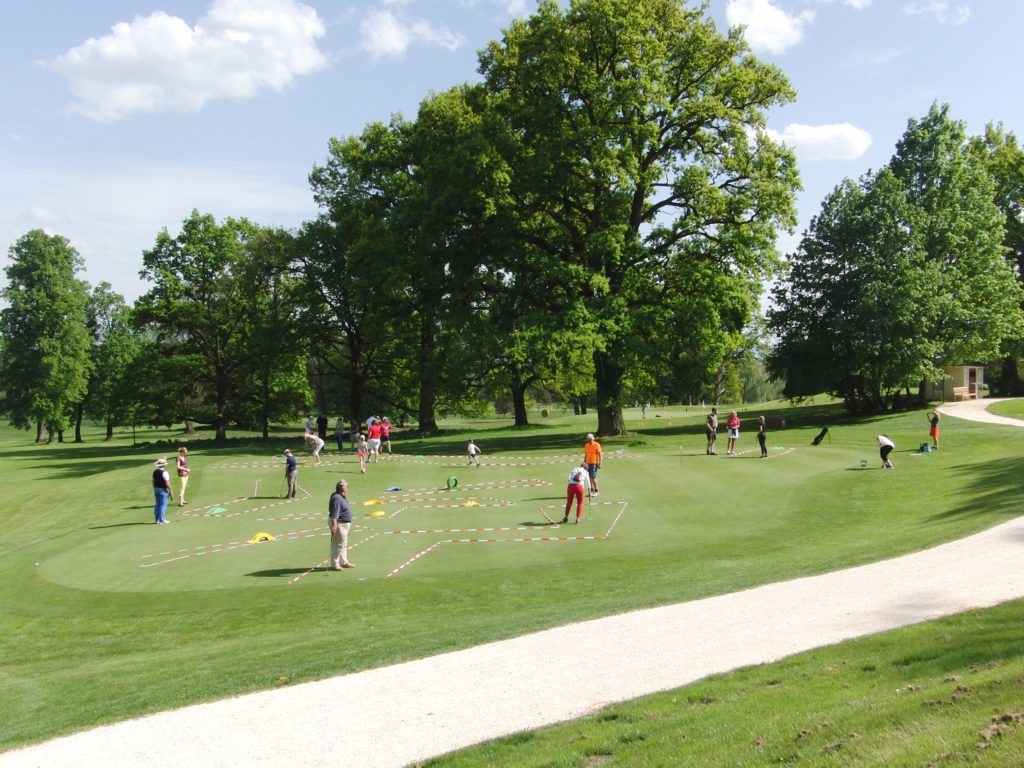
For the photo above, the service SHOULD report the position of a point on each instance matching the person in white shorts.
(316, 444)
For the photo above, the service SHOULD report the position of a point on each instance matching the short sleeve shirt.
(338, 508)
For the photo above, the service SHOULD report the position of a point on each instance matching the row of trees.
(595, 219)
(595, 216)
(912, 267)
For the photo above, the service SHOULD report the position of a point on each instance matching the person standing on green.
(339, 518)
(933, 432)
(762, 436)
(711, 427)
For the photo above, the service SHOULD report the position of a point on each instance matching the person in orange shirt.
(592, 458)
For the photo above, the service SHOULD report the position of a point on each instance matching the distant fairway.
(122, 617)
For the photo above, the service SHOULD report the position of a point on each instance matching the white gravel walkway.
(396, 715)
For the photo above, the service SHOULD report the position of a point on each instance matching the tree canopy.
(899, 274)
(631, 129)
(44, 366)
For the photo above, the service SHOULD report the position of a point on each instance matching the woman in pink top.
(732, 426)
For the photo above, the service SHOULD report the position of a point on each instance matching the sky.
(122, 116)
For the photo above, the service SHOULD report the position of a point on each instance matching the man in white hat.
(161, 491)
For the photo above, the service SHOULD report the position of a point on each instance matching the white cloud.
(158, 63)
(840, 141)
(769, 28)
(943, 11)
(388, 34)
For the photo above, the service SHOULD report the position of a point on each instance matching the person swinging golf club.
(579, 478)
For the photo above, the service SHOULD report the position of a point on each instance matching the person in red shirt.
(732, 426)
(385, 434)
(374, 440)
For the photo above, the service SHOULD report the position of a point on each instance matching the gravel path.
(396, 715)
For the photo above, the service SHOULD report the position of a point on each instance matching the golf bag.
(821, 436)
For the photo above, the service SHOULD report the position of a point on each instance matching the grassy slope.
(945, 693)
(84, 640)
(1013, 409)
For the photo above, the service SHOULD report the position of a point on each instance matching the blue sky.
(121, 116)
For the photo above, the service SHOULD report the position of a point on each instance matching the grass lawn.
(104, 615)
(945, 693)
(1013, 409)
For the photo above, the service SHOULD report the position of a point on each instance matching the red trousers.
(574, 490)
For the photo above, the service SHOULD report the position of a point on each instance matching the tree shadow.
(996, 488)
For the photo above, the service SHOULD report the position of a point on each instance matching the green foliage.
(855, 315)
(219, 309)
(45, 365)
(625, 127)
(978, 298)
(1003, 158)
(116, 345)
(900, 274)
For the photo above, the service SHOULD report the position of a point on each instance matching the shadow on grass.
(119, 525)
(995, 488)
(537, 523)
(279, 572)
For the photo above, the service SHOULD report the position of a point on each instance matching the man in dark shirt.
(339, 517)
(291, 473)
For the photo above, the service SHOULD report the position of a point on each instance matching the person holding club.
(579, 478)
(592, 457)
(291, 473)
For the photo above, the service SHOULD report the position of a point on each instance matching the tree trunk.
(190, 427)
(79, 412)
(428, 406)
(110, 430)
(355, 380)
(519, 400)
(428, 378)
(40, 429)
(608, 375)
(1009, 378)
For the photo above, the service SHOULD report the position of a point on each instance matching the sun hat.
(161, 463)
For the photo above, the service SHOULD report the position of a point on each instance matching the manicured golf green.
(105, 615)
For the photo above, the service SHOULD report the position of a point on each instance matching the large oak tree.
(632, 131)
